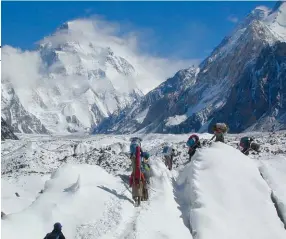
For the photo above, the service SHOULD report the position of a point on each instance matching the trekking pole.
(247, 150)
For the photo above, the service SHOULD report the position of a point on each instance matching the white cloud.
(151, 70)
(20, 67)
(233, 19)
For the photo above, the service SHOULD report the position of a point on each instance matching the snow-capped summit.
(78, 77)
(240, 83)
(276, 20)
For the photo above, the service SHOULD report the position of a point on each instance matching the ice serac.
(240, 83)
(77, 79)
(228, 198)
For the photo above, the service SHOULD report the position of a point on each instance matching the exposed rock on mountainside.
(248, 65)
(6, 131)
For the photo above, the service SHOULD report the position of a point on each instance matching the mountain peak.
(278, 6)
(260, 12)
(77, 25)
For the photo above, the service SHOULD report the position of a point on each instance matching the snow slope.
(228, 198)
(241, 83)
(72, 197)
(82, 181)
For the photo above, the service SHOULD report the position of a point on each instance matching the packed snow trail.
(228, 198)
(161, 218)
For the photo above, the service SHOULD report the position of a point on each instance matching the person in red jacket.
(137, 186)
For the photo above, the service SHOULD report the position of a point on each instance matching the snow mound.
(227, 197)
(71, 196)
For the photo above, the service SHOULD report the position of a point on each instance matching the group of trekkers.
(140, 177)
(141, 171)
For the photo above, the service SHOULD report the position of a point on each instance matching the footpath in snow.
(92, 204)
(227, 197)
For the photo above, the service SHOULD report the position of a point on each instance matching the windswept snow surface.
(228, 198)
(219, 195)
(76, 195)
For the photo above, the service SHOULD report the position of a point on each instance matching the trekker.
(169, 154)
(137, 187)
(219, 130)
(56, 233)
(193, 143)
(146, 170)
(135, 143)
(145, 166)
(247, 143)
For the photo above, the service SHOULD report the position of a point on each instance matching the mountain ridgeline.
(241, 83)
(75, 82)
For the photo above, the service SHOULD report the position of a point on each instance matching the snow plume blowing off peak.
(100, 34)
(82, 73)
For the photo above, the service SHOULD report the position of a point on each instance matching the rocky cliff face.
(258, 100)
(238, 71)
(151, 109)
(14, 114)
(6, 131)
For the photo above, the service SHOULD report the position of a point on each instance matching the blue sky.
(184, 30)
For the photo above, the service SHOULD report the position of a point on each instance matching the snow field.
(227, 197)
(220, 194)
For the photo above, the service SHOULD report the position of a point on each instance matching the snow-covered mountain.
(82, 182)
(15, 115)
(240, 83)
(70, 83)
(151, 109)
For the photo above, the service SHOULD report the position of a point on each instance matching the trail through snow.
(85, 187)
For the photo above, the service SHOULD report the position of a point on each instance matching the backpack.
(135, 142)
(245, 142)
(254, 146)
(167, 150)
(193, 139)
(222, 127)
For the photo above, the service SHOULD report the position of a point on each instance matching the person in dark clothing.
(145, 166)
(219, 130)
(56, 233)
(193, 143)
(169, 154)
(192, 150)
(247, 144)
